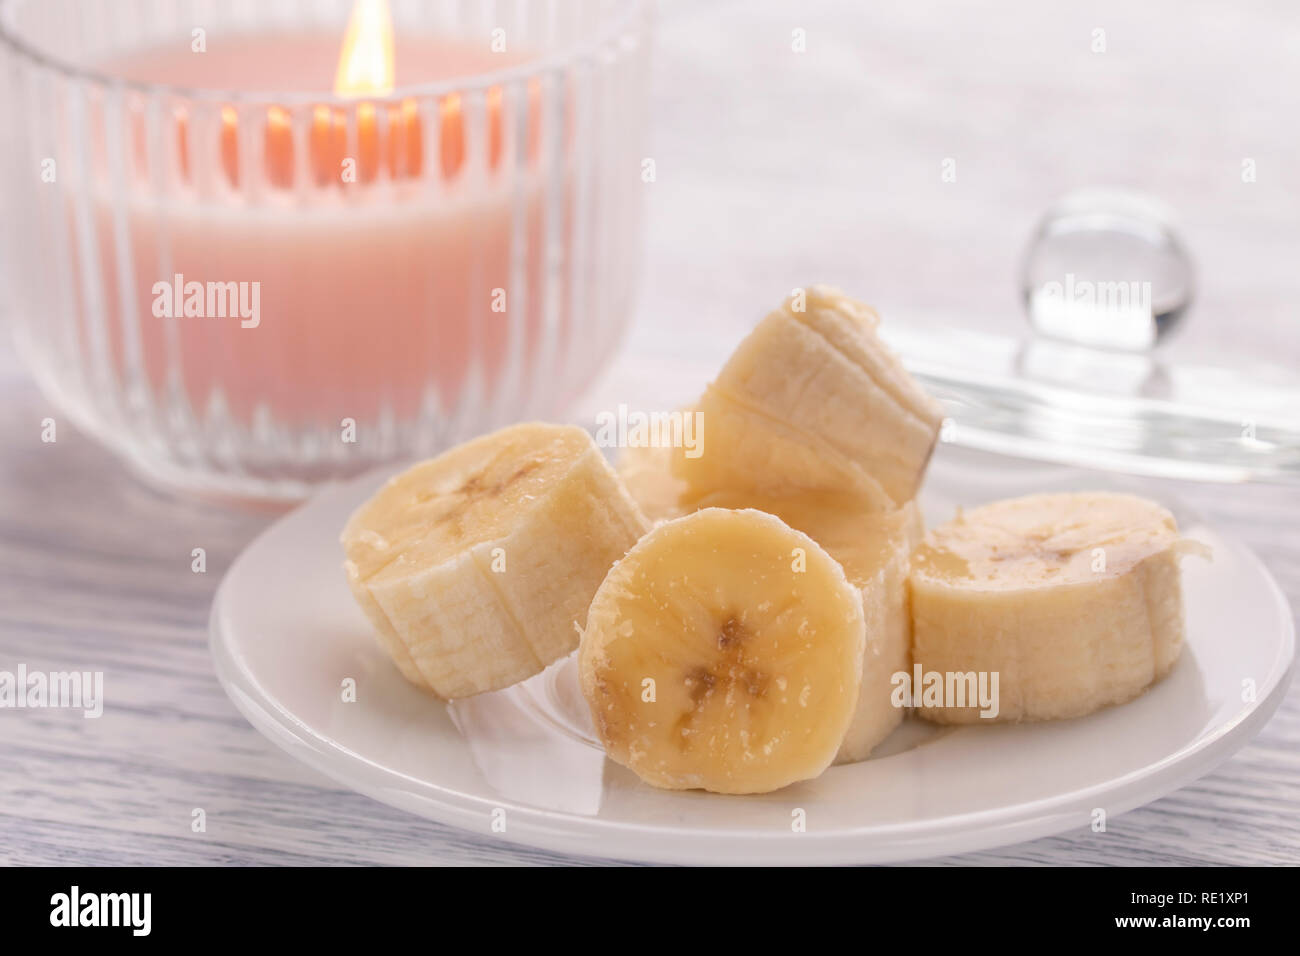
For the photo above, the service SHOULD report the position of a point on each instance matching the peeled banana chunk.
(724, 652)
(813, 400)
(475, 567)
(646, 471)
(874, 548)
(1072, 602)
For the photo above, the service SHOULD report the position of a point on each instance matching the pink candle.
(240, 268)
(365, 298)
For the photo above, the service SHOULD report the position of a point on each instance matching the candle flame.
(367, 58)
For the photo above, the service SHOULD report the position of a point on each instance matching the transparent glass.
(1104, 280)
(1063, 402)
(1106, 269)
(250, 291)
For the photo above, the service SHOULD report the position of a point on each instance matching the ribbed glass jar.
(247, 292)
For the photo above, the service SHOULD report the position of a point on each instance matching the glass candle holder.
(248, 283)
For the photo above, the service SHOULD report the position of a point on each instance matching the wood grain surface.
(774, 169)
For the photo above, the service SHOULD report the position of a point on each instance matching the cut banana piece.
(647, 474)
(1073, 600)
(862, 541)
(474, 567)
(813, 400)
(724, 652)
(879, 563)
(874, 548)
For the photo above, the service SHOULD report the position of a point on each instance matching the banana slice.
(874, 548)
(473, 567)
(724, 652)
(647, 474)
(878, 562)
(1074, 600)
(812, 400)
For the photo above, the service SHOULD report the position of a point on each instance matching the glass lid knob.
(1105, 269)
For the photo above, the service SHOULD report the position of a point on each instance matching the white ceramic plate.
(285, 635)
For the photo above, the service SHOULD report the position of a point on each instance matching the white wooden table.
(774, 169)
